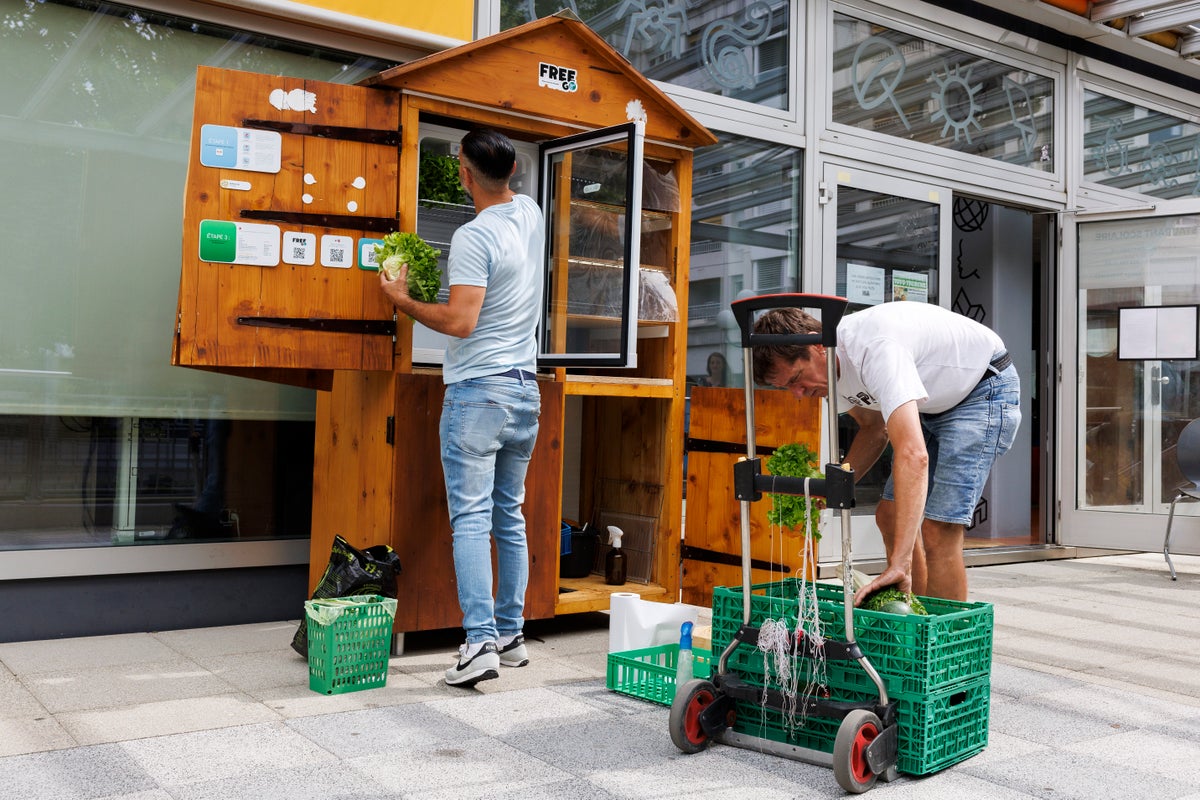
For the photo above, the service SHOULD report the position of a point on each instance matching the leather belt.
(1000, 362)
(997, 365)
(520, 374)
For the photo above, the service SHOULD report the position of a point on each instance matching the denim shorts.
(963, 442)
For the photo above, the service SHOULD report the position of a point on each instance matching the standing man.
(490, 415)
(937, 385)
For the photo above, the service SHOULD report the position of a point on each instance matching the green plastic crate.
(937, 730)
(914, 654)
(649, 673)
(349, 642)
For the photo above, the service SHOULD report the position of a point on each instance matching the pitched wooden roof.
(555, 67)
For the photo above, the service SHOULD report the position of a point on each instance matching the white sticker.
(552, 76)
(295, 100)
(337, 252)
(257, 245)
(227, 147)
(635, 111)
(299, 248)
(241, 186)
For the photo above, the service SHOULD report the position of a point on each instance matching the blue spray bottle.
(683, 664)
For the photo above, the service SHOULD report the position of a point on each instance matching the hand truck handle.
(831, 307)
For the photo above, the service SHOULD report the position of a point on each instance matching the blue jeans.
(963, 443)
(488, 429)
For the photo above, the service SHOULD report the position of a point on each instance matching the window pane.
(95, 121)
(728, 48)
(887, 248)
(102, 481)
(1138, 149)
(898, 84)
(1130, 410)
(745, 220)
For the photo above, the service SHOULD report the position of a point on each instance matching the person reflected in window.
(718, 371)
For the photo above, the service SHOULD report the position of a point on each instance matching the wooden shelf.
(617, 386)
(593, 594)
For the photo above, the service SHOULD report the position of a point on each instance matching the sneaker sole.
(468, 681)
(520, 663)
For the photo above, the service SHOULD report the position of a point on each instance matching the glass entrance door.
(1139, 379)
(883, 240)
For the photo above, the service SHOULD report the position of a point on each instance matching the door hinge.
(824, 195)
(391, 430)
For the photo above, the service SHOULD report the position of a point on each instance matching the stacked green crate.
(936, 667)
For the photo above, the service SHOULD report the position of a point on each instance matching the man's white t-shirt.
(501, 249)
(895, 352)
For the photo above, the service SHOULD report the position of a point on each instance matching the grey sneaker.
(514, 653)
(484, 665)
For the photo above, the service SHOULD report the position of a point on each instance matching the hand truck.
(865, 747)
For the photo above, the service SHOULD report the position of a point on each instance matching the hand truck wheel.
(690, 700)
(858, 729)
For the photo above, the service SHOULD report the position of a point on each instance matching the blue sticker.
(218, 146)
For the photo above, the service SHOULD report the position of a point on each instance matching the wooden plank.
(713, 512)
(502, 71)
(421, 530)
(352, 465)
(381, 197)
(593, 594)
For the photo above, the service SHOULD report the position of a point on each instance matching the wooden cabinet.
(349, 170)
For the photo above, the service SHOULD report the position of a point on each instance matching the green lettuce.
(424, 274)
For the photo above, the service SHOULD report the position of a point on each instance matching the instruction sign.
(227, 147)
(249, 243)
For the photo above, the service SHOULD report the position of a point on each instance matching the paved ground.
(1095, 693)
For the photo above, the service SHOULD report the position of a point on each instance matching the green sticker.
(218, 241)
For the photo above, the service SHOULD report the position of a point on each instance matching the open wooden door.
(290, 183)
(712, 548)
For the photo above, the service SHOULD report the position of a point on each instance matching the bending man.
(942, 389)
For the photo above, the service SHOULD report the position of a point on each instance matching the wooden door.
(712, 549)
(289, 181)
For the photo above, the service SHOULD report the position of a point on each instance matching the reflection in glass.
(745, 220)
(1131, 411)
(102, 441)
(590, 264)
(887, 248)
(895, 83)
(729, 48)
(1138, 149)
(99, 99)
(102, 481)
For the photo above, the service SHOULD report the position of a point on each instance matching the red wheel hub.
(691, 723)
(858, 761)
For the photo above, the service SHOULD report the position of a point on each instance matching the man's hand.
(892, 576)
(397, 290)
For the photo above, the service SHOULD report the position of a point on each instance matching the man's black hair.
(491, 152)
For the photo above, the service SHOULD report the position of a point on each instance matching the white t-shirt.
(501, 249)
(895, 352)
